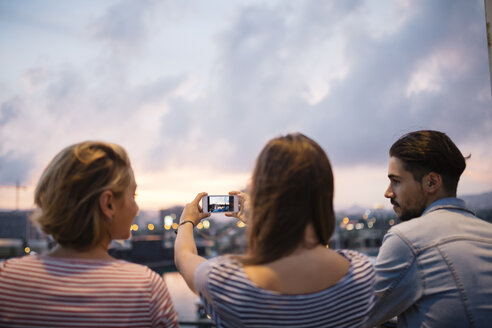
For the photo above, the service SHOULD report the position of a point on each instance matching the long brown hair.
(292, 186)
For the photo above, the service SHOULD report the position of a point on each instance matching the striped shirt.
(232, 300)
(41, 291)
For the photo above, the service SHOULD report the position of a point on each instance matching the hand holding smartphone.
(220, 204)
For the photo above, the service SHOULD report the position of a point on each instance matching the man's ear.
(432, 183)
(106, 203)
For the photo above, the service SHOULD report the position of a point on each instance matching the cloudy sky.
(194, 89)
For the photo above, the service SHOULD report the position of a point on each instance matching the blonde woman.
(288, 277)
(86, 197)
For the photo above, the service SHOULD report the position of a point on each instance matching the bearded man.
(434, 269)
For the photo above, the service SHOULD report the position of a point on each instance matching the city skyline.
(194, 90)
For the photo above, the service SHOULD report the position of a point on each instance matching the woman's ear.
(106, 203)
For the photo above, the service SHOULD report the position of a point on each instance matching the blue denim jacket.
(436, 270)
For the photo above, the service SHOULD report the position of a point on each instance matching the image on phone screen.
(218, 204)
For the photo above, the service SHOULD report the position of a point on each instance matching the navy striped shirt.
(232, 300)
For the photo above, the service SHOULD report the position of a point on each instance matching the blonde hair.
(69, 188)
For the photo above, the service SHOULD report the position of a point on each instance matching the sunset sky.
(194, 89)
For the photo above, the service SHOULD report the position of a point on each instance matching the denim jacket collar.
(448, 203)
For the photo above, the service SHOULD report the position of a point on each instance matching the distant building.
(19, 235)
(174, 212)
(18, 225)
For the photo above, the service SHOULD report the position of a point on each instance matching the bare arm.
(186, 256)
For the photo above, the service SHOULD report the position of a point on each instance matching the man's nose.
(389, 193)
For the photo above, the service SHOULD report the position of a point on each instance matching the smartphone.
(220, 203)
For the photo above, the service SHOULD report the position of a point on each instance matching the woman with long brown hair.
(288, 276)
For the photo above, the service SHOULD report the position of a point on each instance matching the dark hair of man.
(428, 151)
(292, 186)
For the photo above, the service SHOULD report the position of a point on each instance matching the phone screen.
(218, 204)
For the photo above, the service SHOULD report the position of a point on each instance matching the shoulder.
(357, 259)
(132, 267)
(87, 267)
(24, 261)
(360, 264)
(136, 272)
(217, 270)
(399, 239)
(410, 235)
(437, 223)
(353, 256)
(221, 264)
(398, 251)
(407, 227)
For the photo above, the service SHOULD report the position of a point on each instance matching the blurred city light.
(168, 220)
(150, 226)
(378, 206)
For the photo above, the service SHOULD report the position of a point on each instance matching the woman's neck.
(100, 252)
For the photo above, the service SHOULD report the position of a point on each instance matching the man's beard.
(408, 214)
